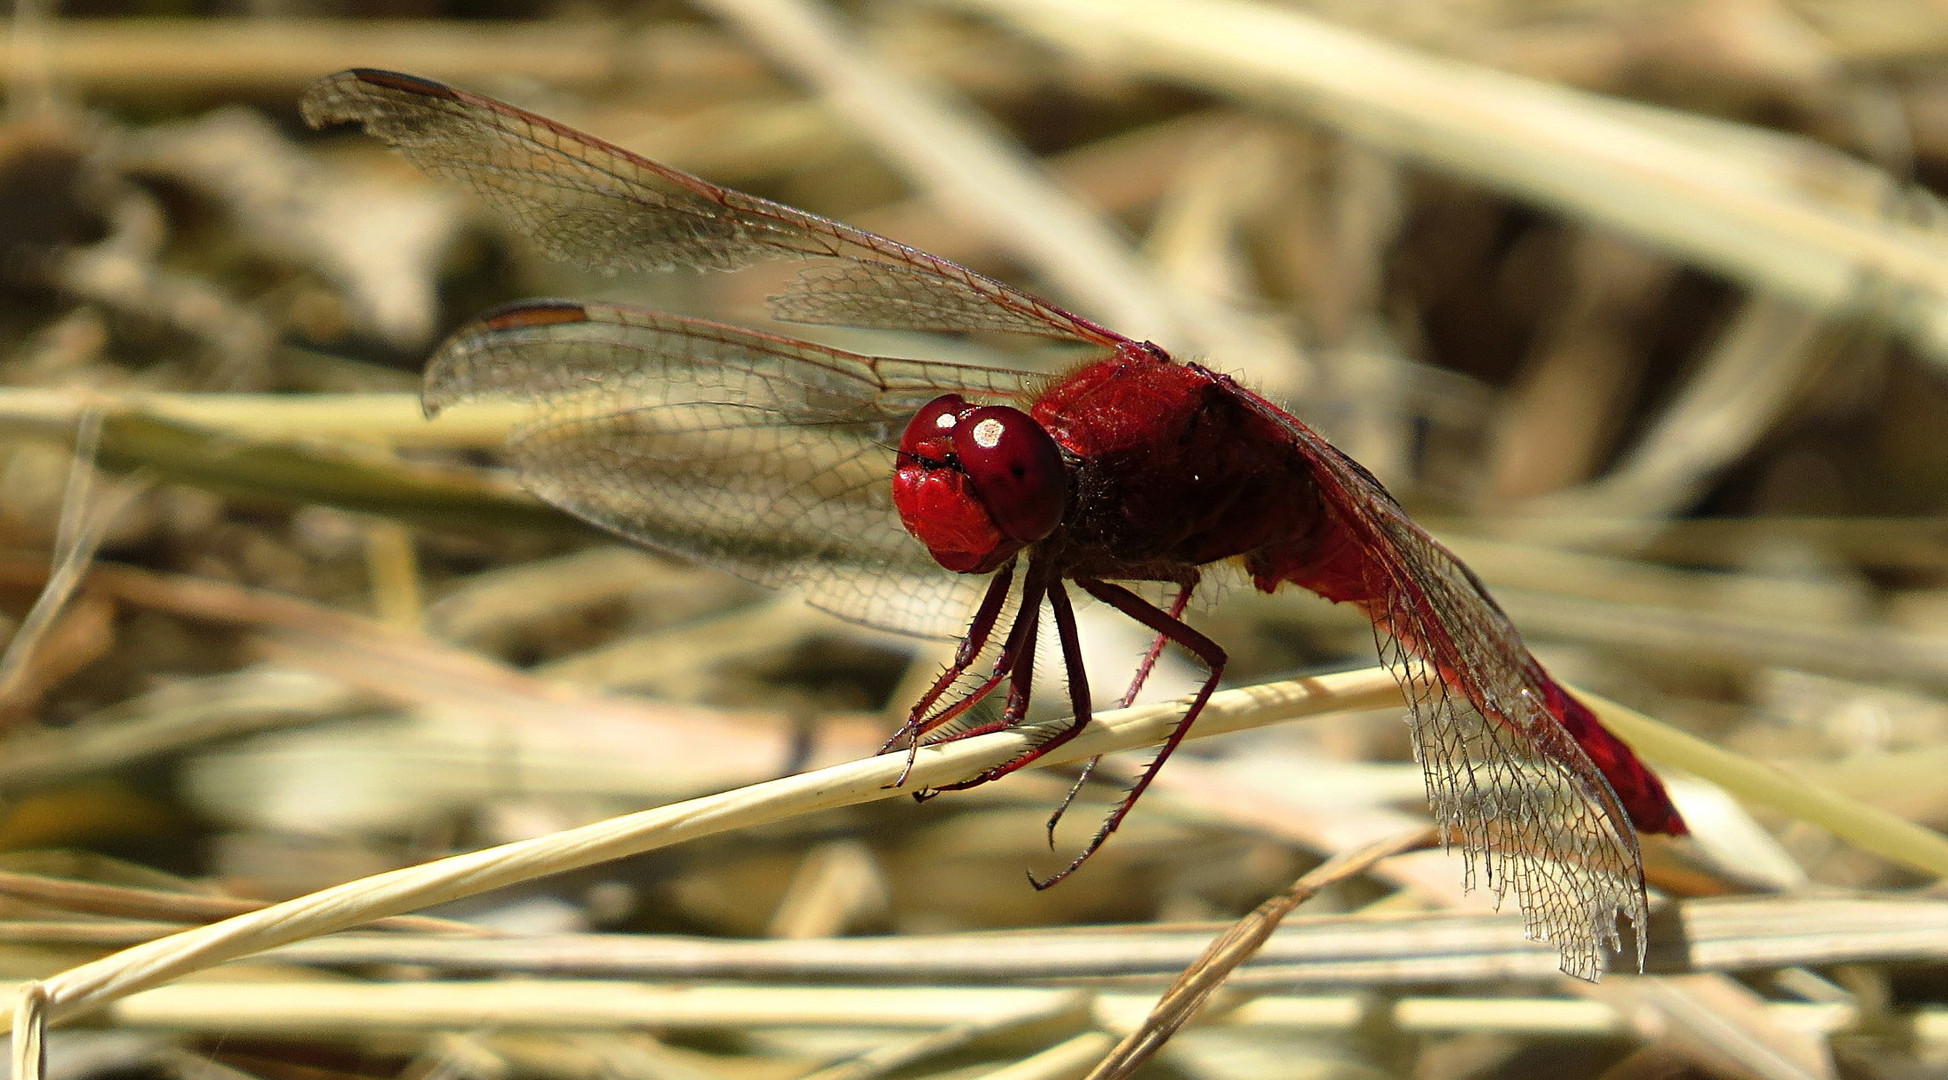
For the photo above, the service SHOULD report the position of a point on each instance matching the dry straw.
(99, 982)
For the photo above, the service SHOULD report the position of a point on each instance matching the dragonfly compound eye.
(929, 436)
(1015, 468)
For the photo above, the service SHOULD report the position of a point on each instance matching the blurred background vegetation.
(1642, 305)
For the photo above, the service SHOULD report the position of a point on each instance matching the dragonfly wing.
(922, 292)
(682, 478)
(767, 457)
(559, 352)
(1533, 814)
(596, 204)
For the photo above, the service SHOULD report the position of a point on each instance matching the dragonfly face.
(978, 483)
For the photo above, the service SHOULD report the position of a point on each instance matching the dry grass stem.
(1876, 830)
(1868, 652)
(84, 518)
(1369, 949)
(168, 720)
(273, 1008)
(1191, 991)
(389, 419)
(133, 903)
(893, 1056)
(125, 56)
(29, 1032)
(1722, 1022)
(388, 894)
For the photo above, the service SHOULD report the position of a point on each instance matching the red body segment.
(1180, 465)
(1171, 470)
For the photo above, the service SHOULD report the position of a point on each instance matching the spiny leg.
(1065, 630)
(1017, 662)
(978, 631)
(1177, 605)
(1176, 613)
(1200, 646)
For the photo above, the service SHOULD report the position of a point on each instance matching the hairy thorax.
(1174, 470)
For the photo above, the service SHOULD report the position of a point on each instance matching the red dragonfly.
(891, 491)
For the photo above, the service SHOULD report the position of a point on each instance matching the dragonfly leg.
(1176, 614)
(979, 629)
(1206, 650)
(1065, 630)
(1177, 605)
(1016, 664)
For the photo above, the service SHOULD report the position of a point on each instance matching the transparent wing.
(1533, 813)
(768, 457)
(598, 205)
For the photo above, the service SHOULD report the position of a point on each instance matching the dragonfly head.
(977, 483)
